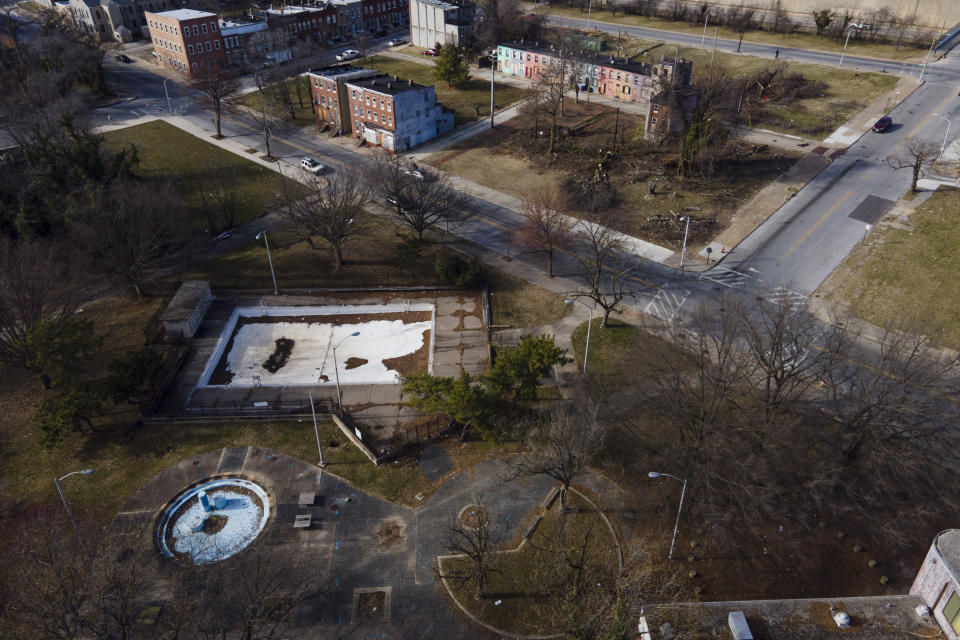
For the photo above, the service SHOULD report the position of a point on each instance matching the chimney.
(389, 85)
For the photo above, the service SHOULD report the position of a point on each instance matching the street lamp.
(947, 135)
(853, 25)
(167, 93)
(316, 429)
(589, 7)
(866, 230)
(336, 370)
(704, 36)
(273, 274)
(686, 233)
(493, 66)
(586, 351)
(66, 505)
(683, 492)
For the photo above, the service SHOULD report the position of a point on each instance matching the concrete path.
(345, 544)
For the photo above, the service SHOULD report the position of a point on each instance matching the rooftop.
(451, 4)
(387, 85)
(342, 71)
(871, 618)
(948, 544)
(186, 14)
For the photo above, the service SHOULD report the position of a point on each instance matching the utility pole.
(704, 36)
(493, 66)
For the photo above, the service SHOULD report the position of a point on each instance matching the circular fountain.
(213, 520)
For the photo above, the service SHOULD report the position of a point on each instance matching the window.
(951, 611)
(656, 108)
(389, 106)
(213, 27)
(194, 66)
(368, 114)
(390, 120)
(353, 93)
(323, 101)
(196, 30)
(354, 109)
(204, 27)
(381, 103)
(383, 119)
(216, 45)
(207, 44)
(653, 122)
(368, 101)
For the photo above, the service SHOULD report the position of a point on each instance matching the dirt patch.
(353, 363)
(214, 524)
(411, 363)
(370, 605)
(473, 515)
(280, 355)
(223, 376)
(389, 534)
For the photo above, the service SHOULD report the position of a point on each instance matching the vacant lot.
(302, 102)
(793, 40)
(905, 278)
(837, 94)
(169, 154)
(468, 102)
(497, 157)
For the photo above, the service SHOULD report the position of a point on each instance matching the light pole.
(66, 505)
(586, 350)
(336, 370)
(853, 25)
(167, 93)
(946, 135)
(589, 7)
(273, 274)
(686, 234)
(316, 429)
(866, 230)
(683, 492)
(493, 66)
(704, 36)
(923, 69)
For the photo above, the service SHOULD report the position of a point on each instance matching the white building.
(437, 21)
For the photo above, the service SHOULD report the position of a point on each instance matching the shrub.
(454, 269)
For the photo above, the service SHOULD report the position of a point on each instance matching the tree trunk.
(338, 256)
(216, 110)
(550, 262)
(740, 41)
(916, 174)
(606, 316)
(300, 92)
(45, 381)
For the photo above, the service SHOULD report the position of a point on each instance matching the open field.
(167, 153)
(522, 596)
(904, 277)
(304, 113)
(468, 102)
(495, 158)
(518, 303)
(792, 40)
(842, 92)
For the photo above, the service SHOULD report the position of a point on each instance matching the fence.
(419, 433)
(246, 409)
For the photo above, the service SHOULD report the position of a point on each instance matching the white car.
(349, 54)
(311, 165)
(396, 42)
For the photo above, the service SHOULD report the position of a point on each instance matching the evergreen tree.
(452, 66)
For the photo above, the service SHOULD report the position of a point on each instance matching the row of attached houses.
(381, 109)
(271, 33)
(120, 20)
(643, 83)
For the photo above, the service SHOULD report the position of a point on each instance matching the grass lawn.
(615, 351)
(906, 278)
(529, 581)
(170, 154)
(518, 303)
(792, 40)
(304, 114)
(845, 92)
(465, 101)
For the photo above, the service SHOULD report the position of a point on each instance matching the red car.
(431, 52)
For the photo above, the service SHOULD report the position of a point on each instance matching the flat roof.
(871, 618)
(341, 71)
(185, 301)
(185, 14)
(386, 84)
(229, 27)
(948, 544)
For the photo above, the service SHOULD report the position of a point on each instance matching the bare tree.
(547, 224)
(476, 539)
(419, 198)
(128, 230)
(740, 20)
(220, 200)
(917, 155)
(561, 446)
(218, 87)
(545, 108)
(263, 119)
(331, 208)
(40, 296)
(599, 251)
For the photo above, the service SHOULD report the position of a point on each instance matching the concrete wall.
(931, 14)
(935, 585)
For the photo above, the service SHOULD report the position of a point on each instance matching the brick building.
(381, 14)
(240, 39)
(120, 20)
(392, 113)
(186, 40)
(331, 97)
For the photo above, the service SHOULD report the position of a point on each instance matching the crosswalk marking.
(725, 277)
(781, 295)
(667, 303)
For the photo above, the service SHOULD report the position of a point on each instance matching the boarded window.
(951, 611)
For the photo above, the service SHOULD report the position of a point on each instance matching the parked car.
(431, 52)
(124, 58)
(379, 33)
(414, 172)
(311, 165)
(396, 42)
(349, 54)
(883, 124)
